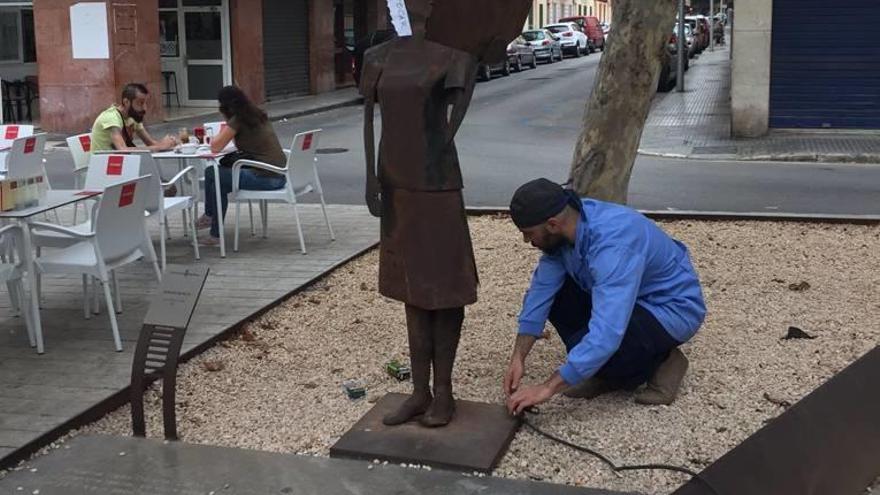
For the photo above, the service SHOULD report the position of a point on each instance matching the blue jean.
(248, 179)
(645, 345)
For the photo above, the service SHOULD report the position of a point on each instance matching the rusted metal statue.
(423, 84)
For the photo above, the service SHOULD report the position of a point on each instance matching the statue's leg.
(446, 334)
(418, 327)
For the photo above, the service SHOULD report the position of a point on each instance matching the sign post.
(681, 47)
(160, 341)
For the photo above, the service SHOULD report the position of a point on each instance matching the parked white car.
(573, 40)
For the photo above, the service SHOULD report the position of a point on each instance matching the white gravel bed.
(278, 386)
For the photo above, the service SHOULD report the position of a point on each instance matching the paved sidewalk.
(696, 124)
(80, 377)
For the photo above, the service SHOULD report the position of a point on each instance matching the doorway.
(195, 49)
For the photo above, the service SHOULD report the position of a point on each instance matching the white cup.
(189, 148)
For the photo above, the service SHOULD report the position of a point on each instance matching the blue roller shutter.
(825, 65)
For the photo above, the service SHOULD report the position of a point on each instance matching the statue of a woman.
(426, 260)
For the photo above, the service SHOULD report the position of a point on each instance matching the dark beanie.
(539, 200)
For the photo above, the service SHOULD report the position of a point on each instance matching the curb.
(311, 111)
(840, 158)
(717, 215)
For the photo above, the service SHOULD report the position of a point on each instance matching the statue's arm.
(369, 82)
(460, 96)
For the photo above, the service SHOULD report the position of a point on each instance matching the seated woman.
(256, 140)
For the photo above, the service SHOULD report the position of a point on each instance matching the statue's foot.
(440, 412)
(414, 406)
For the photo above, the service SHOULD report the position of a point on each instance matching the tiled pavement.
(696, 124)
(80, 370)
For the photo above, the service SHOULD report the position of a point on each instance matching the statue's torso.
(413, 90)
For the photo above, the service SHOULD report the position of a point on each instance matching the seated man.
(620, 292)
(116, 127)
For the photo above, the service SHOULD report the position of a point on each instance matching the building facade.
(273, 49)
(795, 68)
(550, 11)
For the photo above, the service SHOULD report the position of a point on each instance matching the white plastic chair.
(11, 132)
(80, 147)
(8, 134)
(302, 178)
(12, 272)
(119, 238)
(158, 206)
(103, 171)
(25, 159)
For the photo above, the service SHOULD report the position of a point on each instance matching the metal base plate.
(475, 440)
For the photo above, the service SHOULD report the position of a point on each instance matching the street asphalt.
(525, 125)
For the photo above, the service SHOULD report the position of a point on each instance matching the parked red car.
(591, 27)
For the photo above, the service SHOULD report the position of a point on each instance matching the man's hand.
(516, 368)
(528, 396)
(513, 377)
(166, 143)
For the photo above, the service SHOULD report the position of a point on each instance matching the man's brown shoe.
(663, 386)
(588, 389)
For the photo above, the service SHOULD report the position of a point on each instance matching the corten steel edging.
(827, 443)
(721, 216)
(122, 396)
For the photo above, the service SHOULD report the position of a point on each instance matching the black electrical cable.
(614, 467)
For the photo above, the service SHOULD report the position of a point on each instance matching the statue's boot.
(446, 334)
(418, 325)
(414, 406)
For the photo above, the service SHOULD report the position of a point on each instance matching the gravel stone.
(280, 386)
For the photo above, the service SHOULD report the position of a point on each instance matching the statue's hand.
(374, 197)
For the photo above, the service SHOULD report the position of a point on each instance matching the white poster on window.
(89, 35)
(400, 17)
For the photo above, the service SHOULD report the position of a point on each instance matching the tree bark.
(618, 106)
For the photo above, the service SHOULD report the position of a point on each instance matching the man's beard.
(554, 244)
(137, 116)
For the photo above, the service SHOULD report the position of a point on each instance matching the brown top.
(413, 79)
(259, 142)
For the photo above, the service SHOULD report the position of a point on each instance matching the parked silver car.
(546, 44)
(520, 54)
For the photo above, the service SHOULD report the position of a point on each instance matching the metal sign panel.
(176, 299)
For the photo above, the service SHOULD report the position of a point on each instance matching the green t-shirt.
(101, 131)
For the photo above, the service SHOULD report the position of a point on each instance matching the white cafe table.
(54, 199)
(210, 161)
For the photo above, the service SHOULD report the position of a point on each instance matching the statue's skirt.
(425, 255)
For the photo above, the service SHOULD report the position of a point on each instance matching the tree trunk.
(618, 106)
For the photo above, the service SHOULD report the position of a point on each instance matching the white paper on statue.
(400, 17)
(89, 36)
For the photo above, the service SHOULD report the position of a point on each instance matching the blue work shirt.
(621, 258)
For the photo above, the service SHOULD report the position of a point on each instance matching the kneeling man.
(621, 293)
